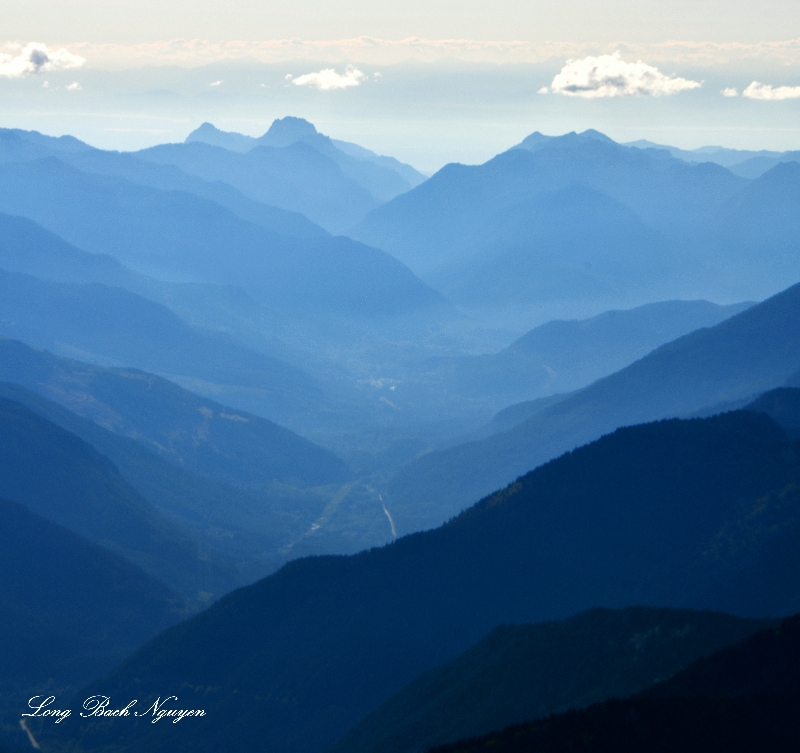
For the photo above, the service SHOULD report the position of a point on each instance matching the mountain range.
(560, 356)
(179, 236)
(517, 449)
(314, 647)
(743, 356)
(743, 162)
(572, 225)
(60, 477)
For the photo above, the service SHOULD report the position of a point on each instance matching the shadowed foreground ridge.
(743, 698)
(523, 672)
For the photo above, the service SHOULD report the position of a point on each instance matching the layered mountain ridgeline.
(757, 165)
(17, 145)
(760, 223)
(561, 356)
(256, 529)
(113, 326)
(783, 405)
(742, 698)
(71, 609)
(59, 476)
(296, 177)
(287, 131)
(743, 162)
(84, 317)
(200, 435)
(696, 514)
(523, 672)
(754, 351)
(27, 248)
(180, 236)
(247, 489)
(23, 146)
(383, 177)
(574, 223)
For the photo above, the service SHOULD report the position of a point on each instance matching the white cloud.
(730, 92)
(74, 86)
(765, 91)
(543, 90)
(611, 76)
(216, 83)
(36, 58)
(328, 78)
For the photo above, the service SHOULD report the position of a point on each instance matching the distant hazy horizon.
(455, 91)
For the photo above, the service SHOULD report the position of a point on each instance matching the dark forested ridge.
(71, 609)
(523, 672)
(742, 698)
(614, 523)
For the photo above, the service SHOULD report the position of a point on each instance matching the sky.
(429, 82)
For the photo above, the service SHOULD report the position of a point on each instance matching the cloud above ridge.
(765, 91)
(611, 76)
(328, 78)
(36, 58)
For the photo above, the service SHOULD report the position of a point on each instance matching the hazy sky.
(131, 21)
(428, 81)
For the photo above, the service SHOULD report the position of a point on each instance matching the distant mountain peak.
(206, 127)
(783, 171)
(591, 133)
(534, 141)
(208, 133)
(537, 140)
(289, 130)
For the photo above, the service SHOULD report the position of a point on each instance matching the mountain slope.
(742, 698)
(561, 356)
(783, 406)
(296, 177)
(71, 609)
(57, 475)
(199, 434)
(378, 175)
(568, 226)
(250, 527)
(170, 178)
(752, 352)
(426, 226)
(18, 145)
(177, 236)
(762, 217)
(523, 672)
(317, 645)
(23, 146)
(287, 131)
(111, 325)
